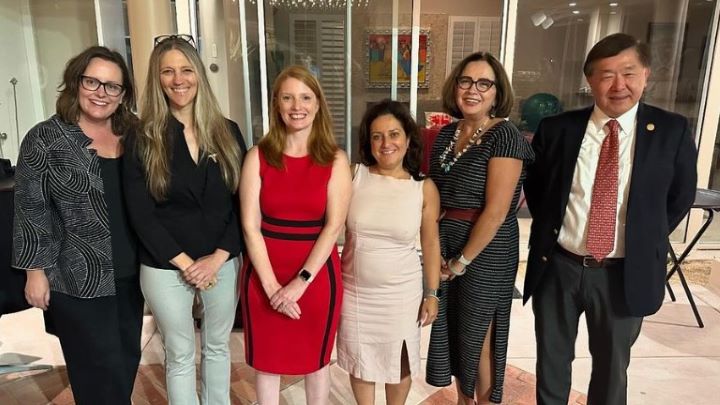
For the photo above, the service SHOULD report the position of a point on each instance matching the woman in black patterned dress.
(478, 165)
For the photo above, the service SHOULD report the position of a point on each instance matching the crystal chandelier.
(315, 4)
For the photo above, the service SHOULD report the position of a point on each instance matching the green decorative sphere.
(537, 107)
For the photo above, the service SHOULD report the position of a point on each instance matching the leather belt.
(589, 261)
(462, 214)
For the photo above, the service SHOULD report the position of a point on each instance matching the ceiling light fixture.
(613, 4)
(576, 12)
(538, 18)
(572, 4)
(547, 23)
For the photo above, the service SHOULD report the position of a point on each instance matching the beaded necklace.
(444, 163)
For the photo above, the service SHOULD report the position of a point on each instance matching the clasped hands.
(450, 269)
(283, 299)
(202, 274)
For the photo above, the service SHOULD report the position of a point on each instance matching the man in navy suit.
(608, 185)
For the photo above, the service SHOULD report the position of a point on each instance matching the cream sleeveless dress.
(382, 276)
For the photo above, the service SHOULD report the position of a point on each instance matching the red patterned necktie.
(603, 206)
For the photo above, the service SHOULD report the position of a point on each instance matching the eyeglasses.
(92, 84)
(185, 37)
(482, 85)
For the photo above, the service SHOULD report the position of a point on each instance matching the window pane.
(456, 29)
(312, 35)
(552, 41)
(372, 58)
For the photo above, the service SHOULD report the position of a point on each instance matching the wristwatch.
(305, 276)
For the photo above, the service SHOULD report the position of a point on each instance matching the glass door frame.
(264, 96)
(710, 102)
(708, 118)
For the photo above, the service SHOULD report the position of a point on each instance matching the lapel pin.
(650, 127)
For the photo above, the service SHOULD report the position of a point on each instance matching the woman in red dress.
(295, 191)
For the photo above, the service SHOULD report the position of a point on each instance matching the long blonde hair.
(321, 143)
(211, 129)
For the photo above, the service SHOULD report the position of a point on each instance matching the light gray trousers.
(171, 299)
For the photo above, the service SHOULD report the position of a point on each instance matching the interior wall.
(63, 28)
(18, 62)
(434, 17)
(462, 7)
(233, 62)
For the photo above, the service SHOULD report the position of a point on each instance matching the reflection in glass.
(548, 61)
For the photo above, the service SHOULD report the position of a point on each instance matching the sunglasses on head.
(185, 37)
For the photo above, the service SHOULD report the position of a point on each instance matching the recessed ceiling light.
(613, 12)
(572, 4)
(580, 20)
(576, 12)
(613, 4)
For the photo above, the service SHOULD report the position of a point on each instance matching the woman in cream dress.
(385, 302)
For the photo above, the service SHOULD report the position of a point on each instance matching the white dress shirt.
(573, 233)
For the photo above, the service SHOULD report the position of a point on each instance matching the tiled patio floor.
(53, 387)
(674, 362)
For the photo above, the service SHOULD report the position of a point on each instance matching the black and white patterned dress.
(469, 303)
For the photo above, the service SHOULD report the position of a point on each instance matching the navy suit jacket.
(662, 189)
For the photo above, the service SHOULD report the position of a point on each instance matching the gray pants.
(171, 299)
(566, 291)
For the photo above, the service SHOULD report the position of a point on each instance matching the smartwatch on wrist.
(305, 276)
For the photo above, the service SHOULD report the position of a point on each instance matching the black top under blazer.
(662, 188)
(199, 214)
(61, 222)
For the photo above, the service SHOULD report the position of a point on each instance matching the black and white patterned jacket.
(61, 218)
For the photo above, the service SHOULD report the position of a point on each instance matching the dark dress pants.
(100, 340)
(567, 290)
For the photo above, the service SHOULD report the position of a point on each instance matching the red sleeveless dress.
(293, 202)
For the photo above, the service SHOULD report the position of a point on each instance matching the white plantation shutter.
(471, 34)
(328, 57)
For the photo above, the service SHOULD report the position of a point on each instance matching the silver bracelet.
(457, 273)
(461, 258)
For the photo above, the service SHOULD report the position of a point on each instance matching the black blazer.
(662, 189)
(199, 213)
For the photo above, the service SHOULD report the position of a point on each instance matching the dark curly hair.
(413, 156)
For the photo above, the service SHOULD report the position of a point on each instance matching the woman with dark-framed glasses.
(71, 232)
(181, 179)
(478, 165)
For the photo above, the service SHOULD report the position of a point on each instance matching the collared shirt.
(61, 219)
(573, 233)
